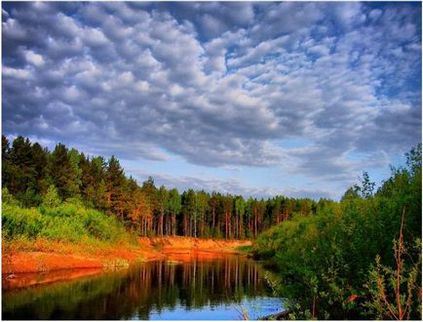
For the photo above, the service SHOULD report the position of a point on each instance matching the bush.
(8, 198)
(18, 221)
(69, 221)
(51, 198)
(324, 260)
(395, 294)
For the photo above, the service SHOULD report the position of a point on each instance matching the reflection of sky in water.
(255, 308)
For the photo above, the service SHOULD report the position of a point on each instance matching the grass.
(68, 228)
(71, 222)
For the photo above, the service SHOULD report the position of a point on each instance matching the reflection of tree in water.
(193, 284)
(151, 286)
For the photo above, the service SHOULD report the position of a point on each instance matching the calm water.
(218, 289)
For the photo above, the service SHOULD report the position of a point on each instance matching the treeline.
(356, 259)
(30, 172)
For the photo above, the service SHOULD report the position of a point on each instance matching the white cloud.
(34, 58)
(233, 186)
(18, 73)
(94, 37)
(218, 84)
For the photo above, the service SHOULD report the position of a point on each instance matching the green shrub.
(395, 293)
(324, 260)
(51, 199)
(18, 221)
(69, 221)
(8, 198)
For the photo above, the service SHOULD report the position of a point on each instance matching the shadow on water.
(215, 289)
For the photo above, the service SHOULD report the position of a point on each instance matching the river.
(230, 287)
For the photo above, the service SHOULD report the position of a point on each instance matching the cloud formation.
(219, 84)
(228, 186)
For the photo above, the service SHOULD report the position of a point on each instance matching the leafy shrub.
(324, 260)
(8, 198)
(18, 221)
(395, 293)
(69, 221)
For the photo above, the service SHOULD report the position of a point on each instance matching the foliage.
(62, 172)
(8, 198)
(29, 171)
(51, 198)
(381, 289)
(324, 260)
(325, 250)
(396, 293)
(68, 221)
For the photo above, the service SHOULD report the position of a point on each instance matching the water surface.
(198, 289)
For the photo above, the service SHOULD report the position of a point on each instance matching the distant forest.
(31, 173)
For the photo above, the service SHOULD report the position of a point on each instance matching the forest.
(31, 173)
(357, 258)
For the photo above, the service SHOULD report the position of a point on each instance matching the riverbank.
(42, 256)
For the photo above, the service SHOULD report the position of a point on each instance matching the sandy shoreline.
(27, 268)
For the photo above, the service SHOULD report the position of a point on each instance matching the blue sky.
(249, 98)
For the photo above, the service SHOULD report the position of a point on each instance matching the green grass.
(68, 222)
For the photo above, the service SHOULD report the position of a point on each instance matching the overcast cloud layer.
(325, 90)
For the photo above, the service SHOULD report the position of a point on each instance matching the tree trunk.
(161, 222)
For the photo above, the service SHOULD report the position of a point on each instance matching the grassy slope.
(79, 237)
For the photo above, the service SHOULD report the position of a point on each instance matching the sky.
(248, 98)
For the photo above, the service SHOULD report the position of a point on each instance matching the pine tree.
(202, 209)
(150, 191)
(162, 196)
(173, 207)
(62, 173)
(115, 186)
(188, 212)
(5, 162)
(22, 174)
(51, 199)
(239, 215)
(74, 160)
(40, 157)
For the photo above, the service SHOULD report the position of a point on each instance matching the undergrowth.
(65, 228)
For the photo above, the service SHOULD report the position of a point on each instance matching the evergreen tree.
(150, 192)
(62, 174)
(173, 207)
(239, 216)
(115, 186)
(202, 210)
(5, 162)
(22, 170)
(74, 160)
(40, 157)
(161, 198)
(188, 212)
(227, 210)
(213, 206)
(51, 199)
